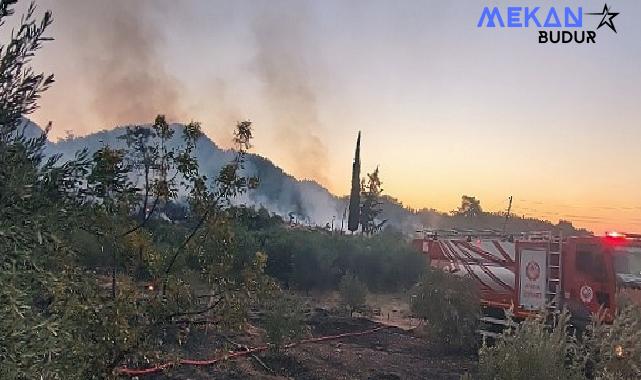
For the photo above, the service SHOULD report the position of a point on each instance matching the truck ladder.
(452, 255)
(480, 264)
(554, 287)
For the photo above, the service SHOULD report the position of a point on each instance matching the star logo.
(607, 17)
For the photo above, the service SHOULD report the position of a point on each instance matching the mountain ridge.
(305, 200)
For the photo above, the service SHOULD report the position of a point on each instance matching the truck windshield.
(627, 260)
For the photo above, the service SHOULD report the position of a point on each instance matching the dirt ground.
(390, 353)
(394, 308)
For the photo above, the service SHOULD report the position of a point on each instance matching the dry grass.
(389, 309)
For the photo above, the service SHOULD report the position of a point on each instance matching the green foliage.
(35, 270)
(353, 292)
(533, 349)
(313, 260)
(539, 349)
(614, 351)
(284, 320)
(256, 220)
(63, 225)
(156, 165)
(354, 217)
(21, 87)
(371, 203)
(450, 306)
(470, 207)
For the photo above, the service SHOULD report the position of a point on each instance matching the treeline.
(298, 258)
(308, 260)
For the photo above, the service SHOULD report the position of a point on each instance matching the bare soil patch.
(390, 353)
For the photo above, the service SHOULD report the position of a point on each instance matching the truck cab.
(601, 274)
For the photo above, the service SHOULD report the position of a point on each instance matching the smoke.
(283, 43)
(109, 60)
(115, 46)
(282, 194)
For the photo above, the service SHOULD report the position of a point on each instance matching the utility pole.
(507, 215)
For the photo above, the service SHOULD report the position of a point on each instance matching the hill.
(305, 201)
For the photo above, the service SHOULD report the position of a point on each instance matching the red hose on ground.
(237, 354)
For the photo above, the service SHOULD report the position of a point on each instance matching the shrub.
(614, 351)
(533, 349)
(313, 260)
(450, 306)
(353, 292)
(284, 320)
(536, 349)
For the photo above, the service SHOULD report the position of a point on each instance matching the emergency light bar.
(622, 235)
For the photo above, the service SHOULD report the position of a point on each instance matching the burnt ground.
(386, 354)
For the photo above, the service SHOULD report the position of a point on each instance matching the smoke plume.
(116, 48)
(283, 45)
(113, 72)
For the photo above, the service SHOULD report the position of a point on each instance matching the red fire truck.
(526, 272)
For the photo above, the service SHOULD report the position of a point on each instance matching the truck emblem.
(586, 293)
(533, 271)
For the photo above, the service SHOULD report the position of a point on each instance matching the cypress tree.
(355, 196)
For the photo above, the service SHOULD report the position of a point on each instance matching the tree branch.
(197, 312)
(145, 220)
(185, 242)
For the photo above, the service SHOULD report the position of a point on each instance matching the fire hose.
(236, 354)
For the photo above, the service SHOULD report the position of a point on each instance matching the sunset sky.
(445, 108)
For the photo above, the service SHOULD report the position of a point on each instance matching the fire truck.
(527, 272)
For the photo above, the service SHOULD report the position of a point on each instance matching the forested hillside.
(305, 201)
